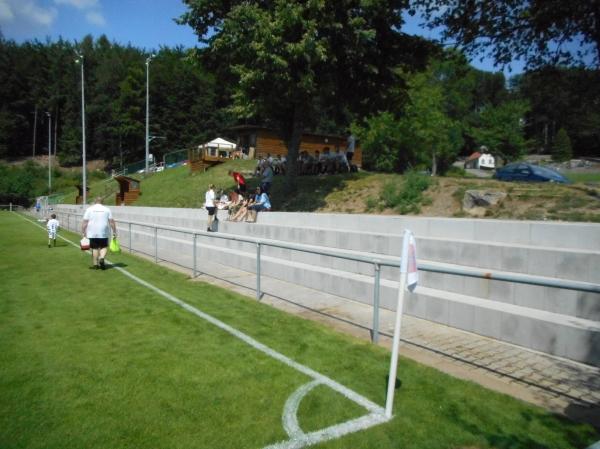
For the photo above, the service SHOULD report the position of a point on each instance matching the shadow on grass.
(116, 265)
(499, 437)
(310, 193)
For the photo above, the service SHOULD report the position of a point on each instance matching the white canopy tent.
(218, 147)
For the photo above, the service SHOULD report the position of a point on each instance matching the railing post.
(155, 245)
(258, 271)
(194, 256)
(375, 335)
(130, 250)
(68, 221)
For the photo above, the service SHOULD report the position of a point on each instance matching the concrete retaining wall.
(557, 321)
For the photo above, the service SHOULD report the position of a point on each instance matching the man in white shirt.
(52, 227)
(97, 222)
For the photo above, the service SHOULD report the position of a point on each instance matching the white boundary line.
(298, 439)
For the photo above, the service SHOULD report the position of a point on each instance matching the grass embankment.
(89, 359)
(374, 193)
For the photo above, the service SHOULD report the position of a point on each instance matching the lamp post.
(84, 174)
(148, 59)
(49, 152)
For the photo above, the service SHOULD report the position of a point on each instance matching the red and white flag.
(412, 277)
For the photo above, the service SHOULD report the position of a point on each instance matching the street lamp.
(49, 152)
(80, 61)
(148, 59)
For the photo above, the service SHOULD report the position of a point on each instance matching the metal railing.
(376, 262)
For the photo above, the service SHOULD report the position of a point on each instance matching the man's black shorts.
(211, 210)
(98, 243)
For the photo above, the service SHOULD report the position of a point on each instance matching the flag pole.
(389, 403)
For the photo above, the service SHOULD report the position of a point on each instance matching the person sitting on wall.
(327, 162)
(316, 168)
(237, 204)
(341, 162)
(282, 165)
(259, 166)
(261, 203)
(307, 164)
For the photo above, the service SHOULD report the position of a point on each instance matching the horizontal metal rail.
(376, 262)
(388, 262)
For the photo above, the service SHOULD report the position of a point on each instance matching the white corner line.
(376, 413)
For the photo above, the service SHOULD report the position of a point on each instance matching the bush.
(408, 197)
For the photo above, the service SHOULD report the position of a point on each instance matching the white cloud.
(6, 12)
(95, 18)
(37, 14)
(79, 4)
(26, 12)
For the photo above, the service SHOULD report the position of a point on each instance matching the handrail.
(377, 262)
(423, 266)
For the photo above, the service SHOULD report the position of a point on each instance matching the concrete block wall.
(542, 318)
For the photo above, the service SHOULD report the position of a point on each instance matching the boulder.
(477, 202)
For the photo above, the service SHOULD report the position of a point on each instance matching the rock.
(476, 202)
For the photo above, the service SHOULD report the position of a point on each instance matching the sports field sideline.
(137, 357)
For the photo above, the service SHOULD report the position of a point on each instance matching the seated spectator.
(327, 162)
(282, 165)
(259, 166)
(238, 207)
(223, 202)
(267, 177)
(341, 162)
(261, 203)
(317, 164)
(307, 164)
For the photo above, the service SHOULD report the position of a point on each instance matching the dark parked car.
(521, 171)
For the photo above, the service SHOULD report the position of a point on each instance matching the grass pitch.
(91, 359)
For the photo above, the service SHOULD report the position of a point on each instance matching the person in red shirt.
(239, 179)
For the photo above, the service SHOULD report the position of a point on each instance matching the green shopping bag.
(114, 246)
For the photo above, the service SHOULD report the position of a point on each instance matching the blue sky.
(143, 23)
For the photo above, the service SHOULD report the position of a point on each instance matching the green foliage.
(407, 197)
(381, 139)
(289, 59)
(38, 77)
(508, 30)
(562, 150)
(501, 129)
(433, 137)
(563, 98)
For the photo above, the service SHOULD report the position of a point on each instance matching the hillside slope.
(366, 192)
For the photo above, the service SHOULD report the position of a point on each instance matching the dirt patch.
(524, 201)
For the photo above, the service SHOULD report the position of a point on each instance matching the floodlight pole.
(49, 152)
(148, 59)
(84, 162)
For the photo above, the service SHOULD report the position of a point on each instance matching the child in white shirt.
(52, 226)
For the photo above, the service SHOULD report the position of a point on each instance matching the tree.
(538, 31)
(501, 129)
(381, 139)
(566, 98)
(561, 150)
(435, 138)
(289, 57)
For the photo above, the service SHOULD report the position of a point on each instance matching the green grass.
(584, 177)
(89, 359)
